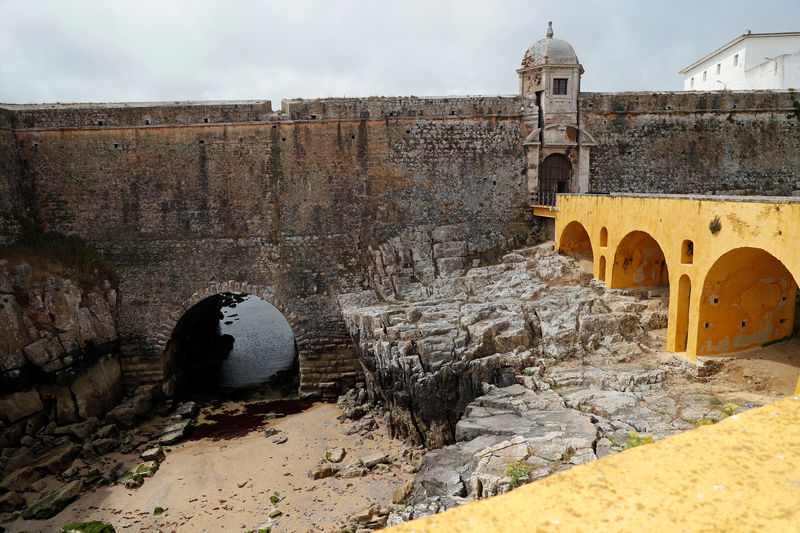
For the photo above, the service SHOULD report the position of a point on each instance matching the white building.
(751, 61)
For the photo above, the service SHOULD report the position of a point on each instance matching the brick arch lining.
(265, 293)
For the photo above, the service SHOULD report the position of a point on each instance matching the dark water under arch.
(263, 343)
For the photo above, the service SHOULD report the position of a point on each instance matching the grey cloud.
(82, 50)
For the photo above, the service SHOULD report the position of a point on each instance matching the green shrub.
(635, 440)
(516, 471)
(729, 408)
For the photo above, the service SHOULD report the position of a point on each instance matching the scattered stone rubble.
(72, 454)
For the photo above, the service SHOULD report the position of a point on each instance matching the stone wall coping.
(589, 94)
(700, 197)
(124, 105)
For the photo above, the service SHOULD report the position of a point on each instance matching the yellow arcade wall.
(731, 289)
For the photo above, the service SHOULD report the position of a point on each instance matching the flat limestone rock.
(153, 454)
(21, 479)
(54, 502)
(88, 527)
(175, 432)
(375, 459)
(59, 459)
(322, 471)
(185, 411)
(147, 469)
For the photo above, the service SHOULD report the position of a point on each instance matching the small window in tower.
(704, 75)
(719, 67)
(735, 60)
(559, 86)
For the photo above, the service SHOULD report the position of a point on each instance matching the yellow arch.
(639, 262)
(748, 299)
(693, 233)
(575, 240)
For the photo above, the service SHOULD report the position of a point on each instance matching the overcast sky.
(141, 50)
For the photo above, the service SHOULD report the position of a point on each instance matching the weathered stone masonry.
(745, 142)
(191, 198)
(282, 205)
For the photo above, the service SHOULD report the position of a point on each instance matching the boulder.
(88, 527)
(153, 454)
(21, 479)
(109, 431)
(175, 432)
(131, 480)
(374, 459)
(403, 492)
(11, 501)
(52, 503)
(59, 459)
(18, 405)
(104, 446)
(323, 471)
(335, 455)
(185, 411)
(80, 430)
(147, 469)
(130, 412)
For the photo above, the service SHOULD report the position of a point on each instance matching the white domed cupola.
(550, 51)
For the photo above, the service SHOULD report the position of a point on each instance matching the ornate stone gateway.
(554, 178)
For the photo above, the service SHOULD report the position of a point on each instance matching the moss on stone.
(88, 527)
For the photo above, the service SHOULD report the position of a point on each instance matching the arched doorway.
(748, 300)
(554, 177)
(639, 262)
(575, 241)
(233, 340)
(682, 317)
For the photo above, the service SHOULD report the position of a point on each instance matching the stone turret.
(557, 148)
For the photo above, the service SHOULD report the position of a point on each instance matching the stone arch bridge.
(731, 263)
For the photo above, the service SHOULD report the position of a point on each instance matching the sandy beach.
(225, 485)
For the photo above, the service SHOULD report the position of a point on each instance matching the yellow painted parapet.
(732, 264)
(742, 474)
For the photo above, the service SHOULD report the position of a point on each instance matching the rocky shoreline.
(511, 372)
(488, 377)
(428, 352)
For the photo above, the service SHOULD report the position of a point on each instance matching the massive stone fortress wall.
(725, 142)
(281, 204)
(10, 173)
(191, 198)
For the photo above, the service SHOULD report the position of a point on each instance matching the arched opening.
(601, 268)
(231, 341)
(554, 177)
(639, 262)
(748, 300)
(575, 241)
(687, 252)
(682, 318)
(603, 236)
